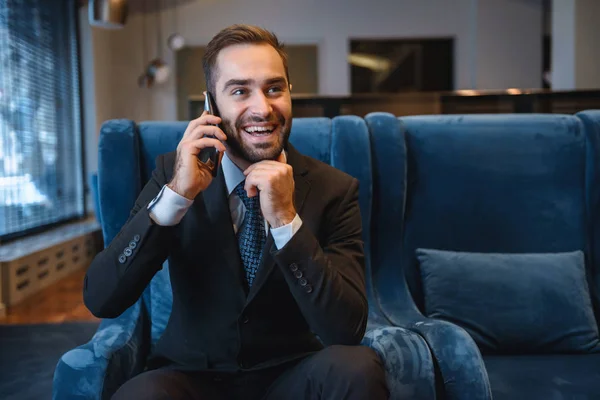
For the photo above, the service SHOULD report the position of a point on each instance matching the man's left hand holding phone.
(190, 175)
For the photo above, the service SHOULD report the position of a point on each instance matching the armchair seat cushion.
(544, 376)
(512, 303)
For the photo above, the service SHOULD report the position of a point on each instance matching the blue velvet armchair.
(485, 233)
(120, 347)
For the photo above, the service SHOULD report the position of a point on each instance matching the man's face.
(254, 102)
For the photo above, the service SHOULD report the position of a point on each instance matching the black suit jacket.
(313, 286)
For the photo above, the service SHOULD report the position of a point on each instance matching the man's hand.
(190, 176)
(273, 181)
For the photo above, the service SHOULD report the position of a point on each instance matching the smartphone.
(210, 156)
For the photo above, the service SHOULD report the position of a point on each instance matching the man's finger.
(206, 130)
(204, 119)
(196, 146)
(265, 164)
(258, 181)
(194, 123)
(210, 119)
(256, 169)
(251, 186)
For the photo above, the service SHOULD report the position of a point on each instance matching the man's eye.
(238, 92)
(274, 89)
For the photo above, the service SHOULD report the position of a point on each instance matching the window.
(41, 168)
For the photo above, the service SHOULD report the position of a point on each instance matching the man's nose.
(260, 106)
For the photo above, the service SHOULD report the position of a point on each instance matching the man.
(266, 259)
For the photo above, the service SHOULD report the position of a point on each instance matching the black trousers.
(334, 373)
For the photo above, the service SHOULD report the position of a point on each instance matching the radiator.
(31, 264)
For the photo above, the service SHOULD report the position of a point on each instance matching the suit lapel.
(301, 189)
(217, 209)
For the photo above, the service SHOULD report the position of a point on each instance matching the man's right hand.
(190, 176)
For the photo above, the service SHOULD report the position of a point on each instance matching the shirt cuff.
(284, 233)
(168, 207)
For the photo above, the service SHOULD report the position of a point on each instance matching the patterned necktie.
(251, 236)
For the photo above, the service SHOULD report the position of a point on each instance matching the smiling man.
(266, 259)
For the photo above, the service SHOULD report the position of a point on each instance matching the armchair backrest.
(478, 183)
(591, 123)
(494, 183)
(127, 154)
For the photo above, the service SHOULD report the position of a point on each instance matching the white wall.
(575, 50)
(563, 45)
(497, 42)
(509, 44)
(111, 61)
(119, 59)
(587, 44)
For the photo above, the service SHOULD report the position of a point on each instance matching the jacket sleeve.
(328, 282)
(119, 274)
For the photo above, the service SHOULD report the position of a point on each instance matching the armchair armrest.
(459, 367)
(457, 358)
(98, 368)
(458, 362)
(406, 358)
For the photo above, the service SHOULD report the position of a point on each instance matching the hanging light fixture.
(157, 70)
(175, 40)
(109, 14)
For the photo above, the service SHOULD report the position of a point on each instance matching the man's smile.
(260, 132)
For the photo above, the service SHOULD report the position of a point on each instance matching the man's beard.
(260, 151)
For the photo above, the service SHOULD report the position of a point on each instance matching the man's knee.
(336, 372)
(154, 385)
(159, 385)
(351, 362)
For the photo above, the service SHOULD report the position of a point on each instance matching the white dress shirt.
(168, 207)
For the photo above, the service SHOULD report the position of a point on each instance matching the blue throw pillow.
(512, 303)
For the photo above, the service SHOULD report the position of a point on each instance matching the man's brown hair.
(238, 34)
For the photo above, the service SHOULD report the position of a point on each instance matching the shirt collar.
(234, 175)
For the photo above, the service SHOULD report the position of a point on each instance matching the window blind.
(41, 167)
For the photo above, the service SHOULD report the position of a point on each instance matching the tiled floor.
(60, 302)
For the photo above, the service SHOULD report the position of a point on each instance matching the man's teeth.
(259, 129)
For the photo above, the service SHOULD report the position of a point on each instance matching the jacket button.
(303, 282)
(308, 289)
(298, 274)
(132, 244)
(294, 267)
(127, 252)
(122, 258)
(136, 238)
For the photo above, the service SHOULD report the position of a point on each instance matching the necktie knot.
(251, 203)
